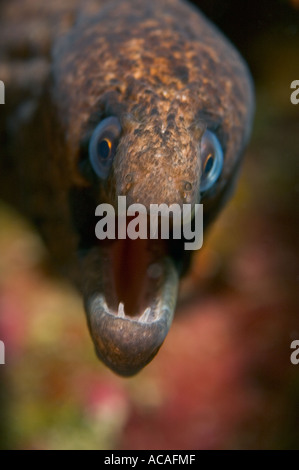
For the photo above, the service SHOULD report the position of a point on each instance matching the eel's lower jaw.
(127, 343)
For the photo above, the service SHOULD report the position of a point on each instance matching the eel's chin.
(130, 291)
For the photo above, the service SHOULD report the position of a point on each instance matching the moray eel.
(168, 103)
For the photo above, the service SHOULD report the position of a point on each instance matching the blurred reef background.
(223, 378)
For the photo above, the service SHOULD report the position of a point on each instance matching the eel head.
(147, 110)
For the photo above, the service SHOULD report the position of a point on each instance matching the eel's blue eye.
(102, 146)
(212, 160)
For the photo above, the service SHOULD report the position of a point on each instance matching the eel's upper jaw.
(127, 343)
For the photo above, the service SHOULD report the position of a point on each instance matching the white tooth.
(121, 310)
(144, 317)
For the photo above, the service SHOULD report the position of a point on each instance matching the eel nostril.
(129, 178)
(187, 186)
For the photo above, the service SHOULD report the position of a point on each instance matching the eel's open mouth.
(130, 291)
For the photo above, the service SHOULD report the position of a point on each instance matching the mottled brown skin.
(168, 74)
